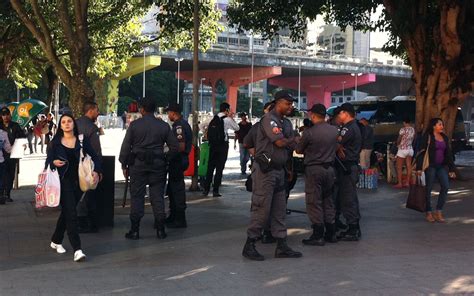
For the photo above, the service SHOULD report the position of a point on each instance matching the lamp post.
(343, 84)
(200, 104)
(251, 80)
(144, 64)
(356, 75)
(299, 85)
(177, 91)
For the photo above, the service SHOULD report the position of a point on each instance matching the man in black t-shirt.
(244, 128)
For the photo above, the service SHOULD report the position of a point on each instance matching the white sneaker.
(79, 256)
(58, 247)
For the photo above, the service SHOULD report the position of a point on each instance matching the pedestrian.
(367, 143)
(319, 144)
(14, 132)
(177, 166)
(4, 146)
(88, 216)
(347, 170)
(63, 154)
(250, 141)
(441, 166)
(268, 177)
(30, 135)
(218, 147)
(40, 130)
(143, 159)
(124, 120)
(51, 128)
(405, 152)
(244, 128)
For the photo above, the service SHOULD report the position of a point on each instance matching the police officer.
(319, 144)
(14, 132)
(176, 167)
(142, 157)
(350, 142)
(268, 176)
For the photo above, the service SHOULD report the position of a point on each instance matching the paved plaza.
(399, 254)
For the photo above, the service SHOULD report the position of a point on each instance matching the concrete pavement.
(399, 254)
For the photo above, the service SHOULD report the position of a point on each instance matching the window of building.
(233, 40)
(222, 40)
(333, 100)
(341, 99)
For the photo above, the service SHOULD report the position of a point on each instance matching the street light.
(144, 69)
(179, 64)
(343, 84)
(299, 83)
(200, 104)
(356, 75)
(251, 80)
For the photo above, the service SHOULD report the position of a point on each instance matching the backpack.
(215, 131)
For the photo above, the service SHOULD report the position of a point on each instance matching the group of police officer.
(145, 161)
(331, 173)
(331, 151)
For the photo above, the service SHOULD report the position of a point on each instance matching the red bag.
(417, 196)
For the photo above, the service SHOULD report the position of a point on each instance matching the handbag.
(264, 163)
(417, 196)
(86, 167)
(48, 189)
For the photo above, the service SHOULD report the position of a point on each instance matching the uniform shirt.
(243, 131)
(273, 127)
(89, 129)
(351, 140)
(183, 133)
(147, 133)
(4, 145)
(13, 130)
(318, 144)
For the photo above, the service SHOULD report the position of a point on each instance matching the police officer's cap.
(5, 111)
(267, 104)
(319, 109)
(242, 114)
(174, 108)
(285, 95)
(344, 107)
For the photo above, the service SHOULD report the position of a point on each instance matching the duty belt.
(325, 165)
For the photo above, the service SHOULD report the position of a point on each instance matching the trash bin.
(106, 193)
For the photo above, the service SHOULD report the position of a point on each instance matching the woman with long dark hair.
(63, 155)
(441, 166)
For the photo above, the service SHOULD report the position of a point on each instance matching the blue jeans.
(244, 158)
(441, 173)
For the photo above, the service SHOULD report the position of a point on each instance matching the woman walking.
(63, 155)
(405, 152)
(441, 166)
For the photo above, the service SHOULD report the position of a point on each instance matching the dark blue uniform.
(176, 167)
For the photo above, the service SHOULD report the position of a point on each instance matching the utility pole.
(194, 107)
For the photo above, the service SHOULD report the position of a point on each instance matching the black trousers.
(154, 175)
(67, 221)
(9, 175)
(347, 193)
(88, 207)
(217, 160)
(176, 190)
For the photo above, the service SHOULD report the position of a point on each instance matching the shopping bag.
(417, 196)
(86, 167)
(48, 189)
(203, 159)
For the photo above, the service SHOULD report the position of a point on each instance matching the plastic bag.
(86, 167)
(48, 189)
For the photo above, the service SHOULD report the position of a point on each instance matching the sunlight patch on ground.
(276, 282)
(462, 284)
(189, 273)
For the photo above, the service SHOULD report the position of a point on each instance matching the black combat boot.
(134, 232)
(284, 251)
(3, 198)
(250, 252)
(340, 225)
(171, 217)
(317, 238)
(267, 237)
(352, 234)
(330, 234)
(9, 199)
(160, 229)
(179, 221)
(215, 193)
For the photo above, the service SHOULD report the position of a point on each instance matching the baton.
(124, 201)
(339, 162)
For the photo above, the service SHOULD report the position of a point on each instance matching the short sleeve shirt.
(318, 144)
(407, 135)
(182, 131)
(272, 129)
(251, 138)
(351, 140)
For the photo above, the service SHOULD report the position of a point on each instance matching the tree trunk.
(81, 91)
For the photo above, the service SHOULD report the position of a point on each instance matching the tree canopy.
(434, 36)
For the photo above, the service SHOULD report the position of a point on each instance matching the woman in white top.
(4, 146)
(405, 151)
